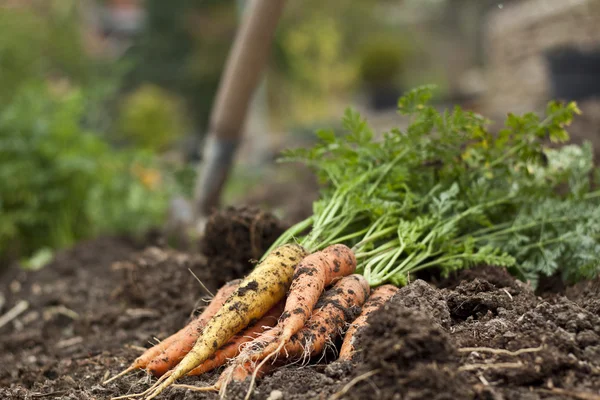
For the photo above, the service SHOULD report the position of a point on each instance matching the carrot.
(189, 333)
(264, 287)
(377, 299)
(334, 309)
(232, 348)
(312, 276)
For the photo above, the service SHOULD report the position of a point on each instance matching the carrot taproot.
(375, 301)
(188, 333)
(232, 348)
(314, 273)
(258, 292)
(336, 307)
(235, 373)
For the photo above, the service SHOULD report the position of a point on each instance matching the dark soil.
(240, 234)
(478, 335)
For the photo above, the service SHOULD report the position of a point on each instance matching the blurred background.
(104, 104)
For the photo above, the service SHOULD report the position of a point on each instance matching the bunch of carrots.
(290, 307)
(390, 208)
(299, 298)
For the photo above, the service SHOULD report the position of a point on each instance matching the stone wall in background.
(518, 35)
(517, 75)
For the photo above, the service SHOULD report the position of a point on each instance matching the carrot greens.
(447, 193)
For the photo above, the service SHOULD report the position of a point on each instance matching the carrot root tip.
(212, 388)
(130, 396)
(120, 374)
(260, 365)
(158, 389)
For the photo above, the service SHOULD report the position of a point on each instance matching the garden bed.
(92, 309)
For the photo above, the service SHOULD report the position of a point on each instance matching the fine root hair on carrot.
(201, 283)
(130, 396)
(312, 275)
(192, 328)
(376, 300)
(264, 287)
(183, 341)
(239, 373)
(120, 374)
(232, 348)
(212, 388)
(336, 307)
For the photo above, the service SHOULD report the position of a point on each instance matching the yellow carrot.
(264, 287)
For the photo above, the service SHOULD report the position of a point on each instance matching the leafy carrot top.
(446, 192)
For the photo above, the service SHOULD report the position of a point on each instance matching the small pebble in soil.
(275, 395)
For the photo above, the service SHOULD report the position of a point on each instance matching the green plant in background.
(152, 119)
(48, 164)
(318, 65)
(21, 44)
(381, 60)
(182, 49)
(36, 45)
(60, 183)
(133, 195)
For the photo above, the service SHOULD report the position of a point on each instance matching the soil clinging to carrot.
(97, 300)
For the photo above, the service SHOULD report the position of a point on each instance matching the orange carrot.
(334, 309)
(232, 348)
(377, 299)
(189, 332)
(316, 272)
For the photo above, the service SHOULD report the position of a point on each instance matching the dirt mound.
(406, 355)
(586, 294)
(480, 299)
(481, 334)
(518, 341)
(421, 296)
(497, 276)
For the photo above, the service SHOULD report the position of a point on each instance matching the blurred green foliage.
(60, 183)
(37, 44)
(62, 112)
(382, 60)
(325, 51)
(151, 118)
(183, 49)
(65, 114)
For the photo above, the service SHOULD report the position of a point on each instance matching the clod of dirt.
(477, 299)
(420, 295)
(240, 234)
(497, 276)
(409, 355)
(397, 337)
(586, 294)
